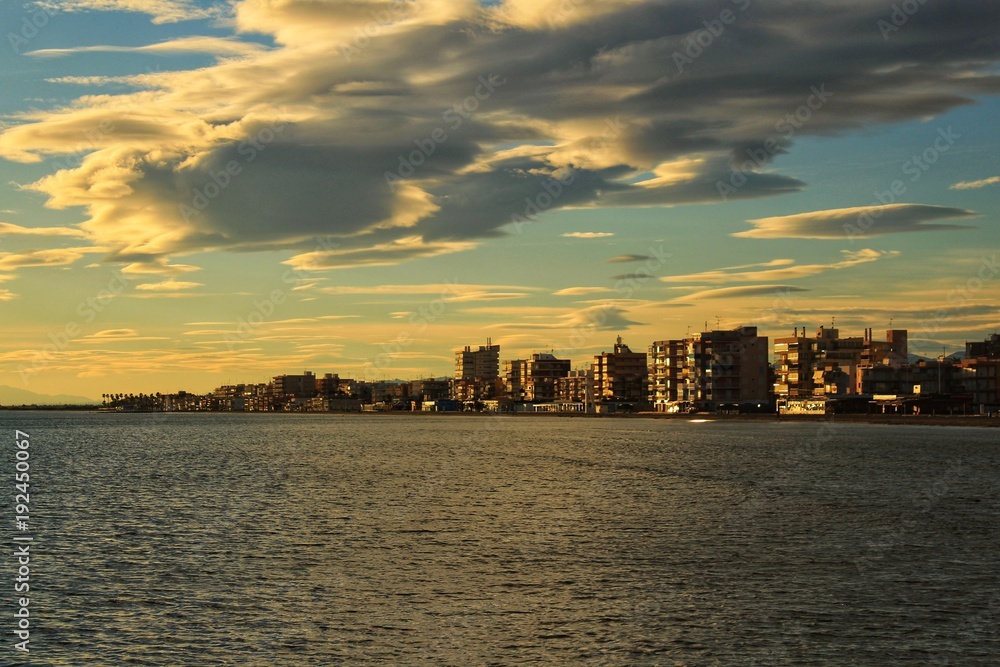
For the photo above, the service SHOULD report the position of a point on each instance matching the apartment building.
(477, 372)
(534, 379)
(711, 370)
(620, 375)
(827, 365)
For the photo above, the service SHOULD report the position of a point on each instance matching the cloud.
(220, 46)
(170, 285)
(634, 276)
(8, 229)
(860, 221)
(115, 333)
(974, 185)
(487, 296)
(607, 316)
(382, 254)
(162, 11)
(581, 291)
(786, 272)
(158, 267)
(443, 290)
(588, 235)
(622, 259)
(744, 291)
(451, 122)
(53, 257)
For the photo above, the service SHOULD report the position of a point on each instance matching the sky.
(201, 193)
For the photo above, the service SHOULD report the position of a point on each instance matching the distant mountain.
(954, 356)
(14, 396)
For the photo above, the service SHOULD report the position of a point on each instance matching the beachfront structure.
(534, 379)
(828, 365)
(576, 387)
(620, 375)
(477, 372)
(711, 370)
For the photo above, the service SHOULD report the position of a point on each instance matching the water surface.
(213, 539)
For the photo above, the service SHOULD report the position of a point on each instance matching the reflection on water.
(449, 540)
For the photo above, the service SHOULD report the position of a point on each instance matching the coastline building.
(477, 372)
(826, 365)
(575, 387)
(534, 379)
(723, 369)
(429, 389)
(667, 386)
(980, 371)
(620, 375)
(330, 386)
(989, 348)
(295, 385)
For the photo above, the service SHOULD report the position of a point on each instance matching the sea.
(267, 540)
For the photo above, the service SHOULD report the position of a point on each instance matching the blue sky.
(198, 193)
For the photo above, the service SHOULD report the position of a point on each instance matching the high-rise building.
(483, 363)
(477, 372)
(534, 379)
(621, 375)
(295, 386)
(710, 370)
(667, 360)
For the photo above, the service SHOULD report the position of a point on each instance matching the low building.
(576, 387)
(980, 371)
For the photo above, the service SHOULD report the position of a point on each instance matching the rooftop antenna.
(833, 322)
(890, 322)
(718, 322)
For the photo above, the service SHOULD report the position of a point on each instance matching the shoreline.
(907, 420)
(982, 421)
